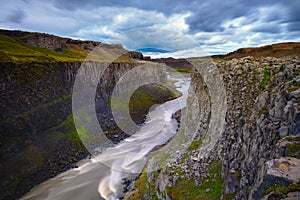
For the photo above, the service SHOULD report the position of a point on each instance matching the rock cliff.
(252, 154)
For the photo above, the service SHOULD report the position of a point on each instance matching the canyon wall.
(38, 136)
(252, 154)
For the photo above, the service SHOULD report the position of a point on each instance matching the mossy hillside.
(281, 191)
(144, 188)
(19, 51)
(266, 78)
(143, 98)
(293, 148)
(194, 145)
(146, 96)
(293, 88)
(209, 189)
(184, 188)
(14, 49)
(183, 70)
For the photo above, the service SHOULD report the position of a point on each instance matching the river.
(101, 176)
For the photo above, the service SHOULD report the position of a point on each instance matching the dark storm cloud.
(207, 15)
(16, 16)
(294, 16)
(217, 24)
(267, 28)
(165, 6)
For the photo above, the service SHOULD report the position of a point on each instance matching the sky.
(161, 28)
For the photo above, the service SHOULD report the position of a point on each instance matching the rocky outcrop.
(261, 104)
(135, 55)
(256, 154)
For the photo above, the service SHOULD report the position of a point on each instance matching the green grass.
(266, 78)
(13, 49)
(194, 145)
(293, 148)
(142, 99)
(294, 88)
(281, 190)
(144, 189)
(187, 189)
(263, 111)
(183, 70)
(18, 51)
(184, 188)
(292, 139)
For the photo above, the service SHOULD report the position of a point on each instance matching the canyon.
(238, 136)
(38, 136)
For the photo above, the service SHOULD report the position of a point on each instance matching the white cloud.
(259, 25)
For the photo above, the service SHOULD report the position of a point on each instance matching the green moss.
(145, 97)
(293, 149)
(266, 78)
(247, 193)
(281, 190)
(296, 73)
(194, 145)
(184, 157)
(13, 49)
(144, 189)
(163, 156)
(292, 139)
(297, 100)
(183, 70)
(293, 88)
(187, 189)
(263, 111)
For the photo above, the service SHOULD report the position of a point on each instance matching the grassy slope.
(13, 49)
(183, 188)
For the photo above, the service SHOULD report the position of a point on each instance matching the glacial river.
(101, 176)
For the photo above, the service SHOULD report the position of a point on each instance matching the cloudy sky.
(180, 28)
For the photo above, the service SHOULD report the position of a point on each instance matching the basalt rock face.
(38, 136)
(255, 155)
(262, 108)
(35, 114)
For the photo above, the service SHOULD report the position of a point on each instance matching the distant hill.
(273, 50)
(181, 64)
(21, 46)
